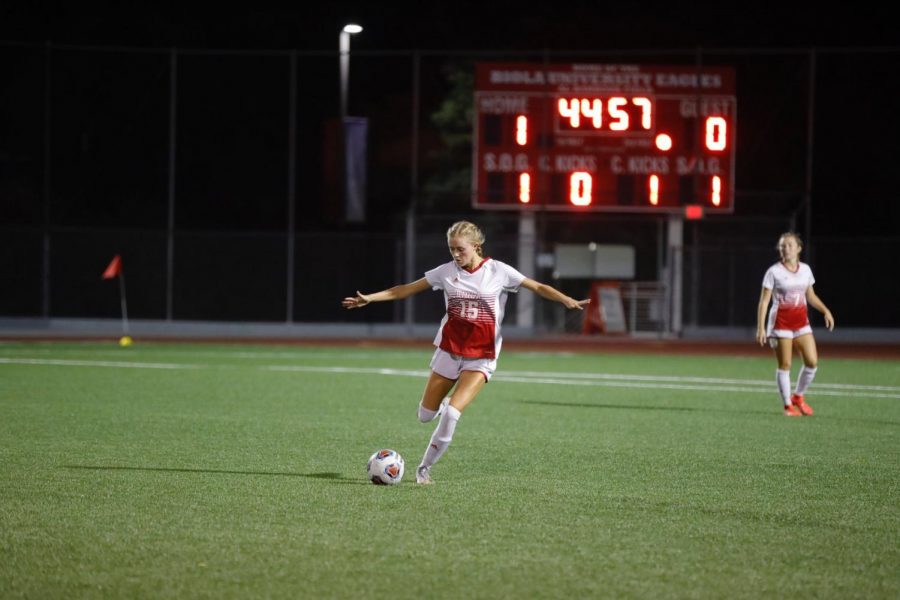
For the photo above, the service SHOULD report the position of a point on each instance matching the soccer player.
(468, 340)
(789, 285)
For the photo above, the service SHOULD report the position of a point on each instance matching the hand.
(761, 337)
(829, 320)
(357, 301)
(576, 304)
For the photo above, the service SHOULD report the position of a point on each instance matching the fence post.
(170, 226)
(48, 82)
(408, 304)
(527, 245)
(292, 184)
(675, 248)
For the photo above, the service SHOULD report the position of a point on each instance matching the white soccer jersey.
(475, 302)
(788, 310)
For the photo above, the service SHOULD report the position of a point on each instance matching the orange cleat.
(791, 411)
(806, 409)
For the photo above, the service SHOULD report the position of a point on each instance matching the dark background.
(84, 150)
(500, 25)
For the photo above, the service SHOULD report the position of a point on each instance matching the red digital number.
(591, 110)
(716, 190)
(580, 183)
(521, 130)
(619, 117)
(653, 185)
(646, 111)
(524, 188)
(716, 133)
(571, 109)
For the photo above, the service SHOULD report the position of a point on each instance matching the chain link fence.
(213, 175)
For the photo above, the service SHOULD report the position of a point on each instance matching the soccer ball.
(385, 467)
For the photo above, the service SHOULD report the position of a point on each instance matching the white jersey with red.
(475, 302)
(788, 313)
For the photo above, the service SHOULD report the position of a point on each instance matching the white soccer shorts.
(787, 333)
(450, 365)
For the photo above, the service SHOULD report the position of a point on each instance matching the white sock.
(441, 437)
(783, 378)
(804, 379)
(426, 415)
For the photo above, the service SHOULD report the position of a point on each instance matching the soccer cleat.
(806, 409)
(789, 411)
(423, 476)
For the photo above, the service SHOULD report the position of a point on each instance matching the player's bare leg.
(783, 351)
(436, 389)
(806, 348)
(467, 387)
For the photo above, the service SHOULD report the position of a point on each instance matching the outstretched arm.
(817, 303)
(764, 297)
(398, 292)
(551, 293)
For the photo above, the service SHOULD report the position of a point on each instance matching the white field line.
(703, 384)
(679, 386)
(678, 379)
(352, 370)
(615, 380)
(297, 355)
(539, 374)
(62, 362)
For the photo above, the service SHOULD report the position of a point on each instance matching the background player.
(468, 340)
(789, 285)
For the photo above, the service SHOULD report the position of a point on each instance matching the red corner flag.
(114, 269)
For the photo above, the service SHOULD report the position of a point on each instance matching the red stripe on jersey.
(470, 327)
(791, 317)
(470, 339)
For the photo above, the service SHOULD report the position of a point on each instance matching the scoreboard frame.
(604, 138)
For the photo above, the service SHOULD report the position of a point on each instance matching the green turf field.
(226, 471)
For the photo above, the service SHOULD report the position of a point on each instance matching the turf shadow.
(334, 477)
(617, 406)
(859, 420)
(689, 409)
(639, 407)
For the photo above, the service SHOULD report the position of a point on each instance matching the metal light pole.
(350, 214)
(344, 47)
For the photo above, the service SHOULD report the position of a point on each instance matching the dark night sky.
(447, 25)
(576, 26)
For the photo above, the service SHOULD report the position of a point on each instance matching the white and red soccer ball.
(385, 467)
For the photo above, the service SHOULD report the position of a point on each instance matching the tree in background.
(449, 183)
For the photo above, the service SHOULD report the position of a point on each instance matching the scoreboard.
(604, 137)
